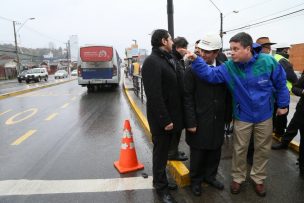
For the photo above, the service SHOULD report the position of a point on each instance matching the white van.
(98, 66)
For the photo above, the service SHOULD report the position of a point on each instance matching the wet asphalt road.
(77, 136)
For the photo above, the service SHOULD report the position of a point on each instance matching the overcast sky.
(118, 22)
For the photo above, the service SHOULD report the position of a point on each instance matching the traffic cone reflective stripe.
(128, 160)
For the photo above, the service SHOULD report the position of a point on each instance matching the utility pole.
(68, 52)
(170, 17)
(16, 49)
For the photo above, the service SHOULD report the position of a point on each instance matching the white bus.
(98, 66)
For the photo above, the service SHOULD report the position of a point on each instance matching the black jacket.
(288, 67)
(207, 107)
(297, 89)
(162, 91)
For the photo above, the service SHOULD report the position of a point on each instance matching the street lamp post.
(16, 43)
(222, 20)
(170, 17)
(16, 48)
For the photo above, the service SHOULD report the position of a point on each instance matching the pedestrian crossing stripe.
(36, 187)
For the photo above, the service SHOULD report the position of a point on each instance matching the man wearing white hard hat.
(205, 110)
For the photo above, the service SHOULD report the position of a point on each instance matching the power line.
(254, 24)
(3, 18)
(44, 35)
(294, 6)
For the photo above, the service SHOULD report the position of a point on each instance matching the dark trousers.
(203, 164)
(161, 144)
(293, 127)
(296, 123)
(279, 122)
(173, 150)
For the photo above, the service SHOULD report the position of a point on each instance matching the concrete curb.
(10, 94)
(177, 169)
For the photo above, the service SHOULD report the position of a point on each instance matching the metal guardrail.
(138, 87)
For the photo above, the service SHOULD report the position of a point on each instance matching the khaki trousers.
(262, 135)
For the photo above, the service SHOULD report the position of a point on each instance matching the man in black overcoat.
(164, 108)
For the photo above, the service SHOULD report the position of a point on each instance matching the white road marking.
(34, 187)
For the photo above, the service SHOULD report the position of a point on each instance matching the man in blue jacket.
(254, 79)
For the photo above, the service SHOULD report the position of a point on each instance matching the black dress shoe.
(196, 189)
(165, 197)
(172, 186)
(278, 146)
(216, 184)
(178, 157)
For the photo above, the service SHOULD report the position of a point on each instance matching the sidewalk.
(3, 82)
(179, 169)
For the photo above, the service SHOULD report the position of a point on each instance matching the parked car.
(21, 76)
(36, 74)
(61, 74)
(74, 72)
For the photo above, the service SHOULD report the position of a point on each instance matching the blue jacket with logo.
(253, 85)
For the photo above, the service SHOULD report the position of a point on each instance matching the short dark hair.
(180, 42)
(243, 38)
(198, 41)
(157, 36)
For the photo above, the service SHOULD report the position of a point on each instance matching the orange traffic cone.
(128, 160)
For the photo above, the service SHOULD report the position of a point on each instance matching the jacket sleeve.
(189, 99)
(204, 72)
(290, 74)
(152, 78)
(279, 82)
(298, 88)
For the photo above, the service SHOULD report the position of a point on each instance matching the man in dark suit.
(164, 109)
(205, 109)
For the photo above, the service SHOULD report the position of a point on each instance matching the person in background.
(164, 108)
(180, 43)
(253, 80)
(205, 109)
(282, 55)
(196, 49)
(265, 44)
(296, 124)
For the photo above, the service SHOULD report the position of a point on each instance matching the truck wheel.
(90, 88)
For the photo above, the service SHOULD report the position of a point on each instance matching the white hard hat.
(210, 42)
(282, 45)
